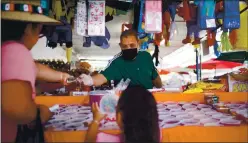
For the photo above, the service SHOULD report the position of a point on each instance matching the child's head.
(137, 115)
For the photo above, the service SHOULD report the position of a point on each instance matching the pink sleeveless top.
(17, 64)
(103, 137)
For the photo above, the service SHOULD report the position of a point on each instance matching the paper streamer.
(96, 18)
(153, 16)
(81, 18)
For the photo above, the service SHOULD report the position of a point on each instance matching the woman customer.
(22, 22)
(136, 116)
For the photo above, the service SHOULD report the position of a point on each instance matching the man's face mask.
(129, 54)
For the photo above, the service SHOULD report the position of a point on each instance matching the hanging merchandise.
(225, 42)
(186, 10)
(81, 18)
(211, 38)
(164, 35)
(216, 51)
(68, 54)
(206, 14)
(57, 9)
(173, 30)
(233, 37)
(108, 17)
(96, 18)
(45, 6)
(70, 16)
(173, 27)
(136, 11)
(166, 27)
(191, 24)
(242, 36)
(87, 42)
(102, 41)
(156, 54)
(231, 14)
(62, 34)
(153, 16)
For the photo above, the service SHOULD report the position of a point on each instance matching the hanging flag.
(153, 16)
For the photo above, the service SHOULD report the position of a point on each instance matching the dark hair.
(139, 116)
(13, 30)
(129, 32)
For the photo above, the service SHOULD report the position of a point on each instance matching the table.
(176, 134)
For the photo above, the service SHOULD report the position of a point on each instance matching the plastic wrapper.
(81, 18)
(173, 30)
(96, 18)
(153, 16)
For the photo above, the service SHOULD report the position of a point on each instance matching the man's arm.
(157, 82)
(99, 80)
(45, 73)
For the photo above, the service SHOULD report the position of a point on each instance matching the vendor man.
(130, 63)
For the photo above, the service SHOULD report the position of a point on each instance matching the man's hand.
(45, 113)
(86, 79)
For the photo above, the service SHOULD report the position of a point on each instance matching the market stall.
(238, 133)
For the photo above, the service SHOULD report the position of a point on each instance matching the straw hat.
(26, 11)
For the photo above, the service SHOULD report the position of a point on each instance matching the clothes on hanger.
(102, 41)
(62, 34)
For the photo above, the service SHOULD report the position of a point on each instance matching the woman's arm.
(17, 103)
(93, 128)
(45, 73)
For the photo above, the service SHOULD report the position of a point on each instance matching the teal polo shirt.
(141, 71)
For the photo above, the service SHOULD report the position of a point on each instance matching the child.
(136, 116)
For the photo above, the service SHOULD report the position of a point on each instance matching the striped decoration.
(21, 7)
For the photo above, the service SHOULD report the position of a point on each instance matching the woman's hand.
(64, 77)
(45, 113)
(97, 115)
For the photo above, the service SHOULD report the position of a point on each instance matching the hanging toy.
(231, 14)
(191, 23)
(216, 49)
(211, 38)
(233, 37)
(206, 14)
(173, 27)
(225, 42)
(156, 54)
